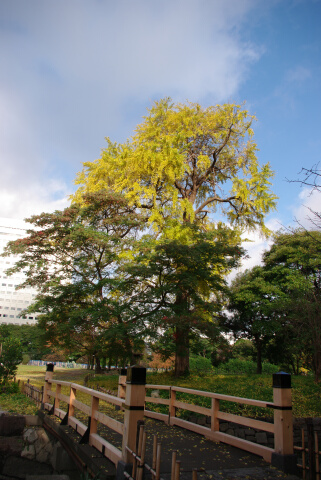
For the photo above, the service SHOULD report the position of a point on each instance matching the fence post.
(283, 456)
(215, 423)
(121, 382)
(172, 409)
(48, 377)
(134, 408)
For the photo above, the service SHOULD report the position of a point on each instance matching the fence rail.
(34, 393)
(88, 432)
(310, 455)
(215, 414)
(132, 399)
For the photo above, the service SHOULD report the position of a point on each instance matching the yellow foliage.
(183, 162)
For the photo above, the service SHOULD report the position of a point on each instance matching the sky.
(74, 72)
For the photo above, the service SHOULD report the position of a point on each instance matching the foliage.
(183, 164)
(25, 359)
(17, 403)
(70, 256)
(243, 349)
(10, 355)
(294, 264)
(178, 159)
(305, 393)
(31, 338)
(158, 362)
(250, 314)
(180, 285)
(237, 366)
(200, 364)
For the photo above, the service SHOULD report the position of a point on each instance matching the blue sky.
(75, 71)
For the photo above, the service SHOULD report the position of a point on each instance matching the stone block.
(12, 425)
(29, 452)
(230, 431)
(224, 427)
(11, 445)
(33, 420)
(239, 432)
(261, 438)
(47, 477)
(42, 439)
(30, 435)
(18, 468)
(60, 459)
(250, 438)
(201, 421)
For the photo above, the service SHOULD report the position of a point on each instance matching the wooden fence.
(282, 427)
(35, 394)
(134, 406)
(310, 454)
(139, 464)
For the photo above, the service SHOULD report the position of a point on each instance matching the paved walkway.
(212, 460)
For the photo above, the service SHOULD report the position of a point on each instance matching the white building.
(12, 301)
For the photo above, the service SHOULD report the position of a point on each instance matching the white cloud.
(32, 199)
(310, 202)
(73, 72)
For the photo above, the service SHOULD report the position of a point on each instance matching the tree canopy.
(188, 165)
(185, 162)
(71, 256)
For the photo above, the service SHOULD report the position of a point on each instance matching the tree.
(183, 284)
(10, 355)
(250, 313)
(70, 256)
(311, 177)
(294, 263)
(183, 164)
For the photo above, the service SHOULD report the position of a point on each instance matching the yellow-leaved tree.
(187, 165)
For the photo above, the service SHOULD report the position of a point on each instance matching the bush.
(10, 357)
(25, 359)
(236, 366)
(200, 364)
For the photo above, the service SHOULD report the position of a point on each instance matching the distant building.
(12, 301)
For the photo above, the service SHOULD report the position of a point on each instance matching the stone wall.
(258, 436)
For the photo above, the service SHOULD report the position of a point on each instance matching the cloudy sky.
(75, 71)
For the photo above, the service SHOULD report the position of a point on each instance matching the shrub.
(236, 366)
(25, 359)
(200, 364)
(10, 357)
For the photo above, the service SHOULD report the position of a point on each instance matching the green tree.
(70, 256)
(251, 314)
(294, 264)
(184, 164)
(181, 286)
(10, 355)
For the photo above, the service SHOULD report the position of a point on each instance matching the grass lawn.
(305, 393)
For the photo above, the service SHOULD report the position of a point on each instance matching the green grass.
(305, 393)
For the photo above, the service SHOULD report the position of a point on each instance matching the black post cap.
(281, 380)
(136, 375)
(50, 367)
(123, 371)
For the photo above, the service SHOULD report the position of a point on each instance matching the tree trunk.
(182, 351)
(98, 368)
(258, 345)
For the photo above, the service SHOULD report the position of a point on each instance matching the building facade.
(13, 301)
